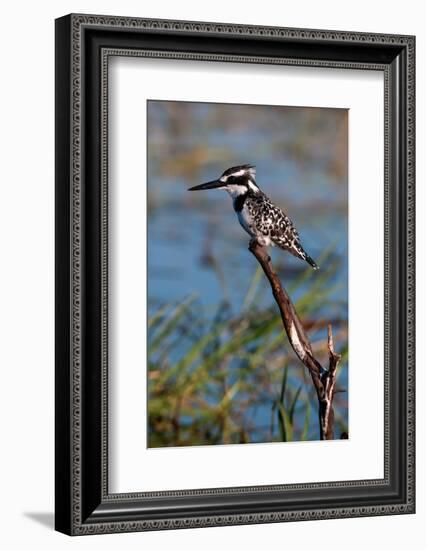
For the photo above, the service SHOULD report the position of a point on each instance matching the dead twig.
(324, 380)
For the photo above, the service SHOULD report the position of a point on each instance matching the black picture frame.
(83, 45)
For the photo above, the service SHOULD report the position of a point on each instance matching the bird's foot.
(256, 244)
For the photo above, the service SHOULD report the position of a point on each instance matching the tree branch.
(322, 379)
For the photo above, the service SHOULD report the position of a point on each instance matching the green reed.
(232, 377)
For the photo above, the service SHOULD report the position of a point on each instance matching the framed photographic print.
(234, 274)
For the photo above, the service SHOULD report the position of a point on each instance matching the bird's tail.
(311, 262)
(297, 250)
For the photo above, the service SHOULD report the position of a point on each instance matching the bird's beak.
(209, 185)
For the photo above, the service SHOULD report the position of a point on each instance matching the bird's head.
(237, 180)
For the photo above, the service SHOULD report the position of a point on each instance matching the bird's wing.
(290, 241)
(282, 231)
(280, 227)
(284, 234)
(286, 237)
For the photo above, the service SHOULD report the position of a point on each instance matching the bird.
(262, 220)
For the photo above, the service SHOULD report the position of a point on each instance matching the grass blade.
(305, 431)
(254, 285)
(293, 404)
(170, 323)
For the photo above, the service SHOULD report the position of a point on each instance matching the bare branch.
(323, 380)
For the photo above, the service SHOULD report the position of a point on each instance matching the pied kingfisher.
(263, 221)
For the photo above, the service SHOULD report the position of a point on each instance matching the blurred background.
(220, 368)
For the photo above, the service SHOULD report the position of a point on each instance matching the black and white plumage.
(262, 220)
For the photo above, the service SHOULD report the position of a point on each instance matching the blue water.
(179, 230)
